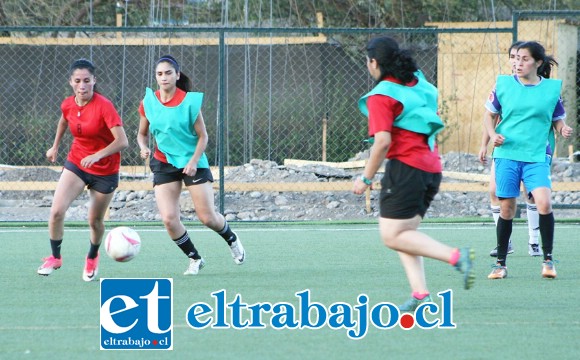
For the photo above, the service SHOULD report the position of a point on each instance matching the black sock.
(547, 232)
(504, 232)
(185, 244)
(55, 246)
(93, 251)
(227, 233)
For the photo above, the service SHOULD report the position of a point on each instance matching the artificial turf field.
(521, 317)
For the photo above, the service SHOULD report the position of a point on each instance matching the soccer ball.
(122, 244)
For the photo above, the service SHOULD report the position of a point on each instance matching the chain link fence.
(289, 121)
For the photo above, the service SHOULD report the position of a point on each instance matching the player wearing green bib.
(173, 115)
(403, 121)
(529, 103)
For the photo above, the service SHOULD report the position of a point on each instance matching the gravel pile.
(272, 205)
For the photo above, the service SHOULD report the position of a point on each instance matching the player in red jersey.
(403, 121)
(93, 162)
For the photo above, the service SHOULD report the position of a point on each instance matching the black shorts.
(406, 191)
(164, 173)
(105, 184)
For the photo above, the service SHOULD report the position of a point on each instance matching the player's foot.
(194, 266)
(535, 250)
(493, 253)
(237, 250)
(91, 269)
(411, 304)
(465, 266)
(498, 272)
(548, 269)
(50, 263)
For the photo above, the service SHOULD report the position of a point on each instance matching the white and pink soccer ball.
(122, 244)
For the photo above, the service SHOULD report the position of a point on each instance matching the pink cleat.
(91, 269)
(50, 263)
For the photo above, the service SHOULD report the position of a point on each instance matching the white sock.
(533, 223)
(495, 212)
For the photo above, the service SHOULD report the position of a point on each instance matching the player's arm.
(202, 138)
(143, 137)
(489, 122)
(483, 148)
(60, 129)
(378, 153)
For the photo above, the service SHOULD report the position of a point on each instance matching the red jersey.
(90, 127)
(406, 146)
(174, 101)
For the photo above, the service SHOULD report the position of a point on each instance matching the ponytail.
(538, 52)
(392, 60)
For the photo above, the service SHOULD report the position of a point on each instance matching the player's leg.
(493, 200)
(533, 220)
(202, 195)
(167, 198)
(97, 210)
(507, 175)
(495, 207)
(412, 246)
(68, 188)
(536, 177)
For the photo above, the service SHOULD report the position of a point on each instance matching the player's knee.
(390, 239)
(96, 223)
(544, 206)
(507, 213)
(170, 221)
(57, 214)
(208, 219)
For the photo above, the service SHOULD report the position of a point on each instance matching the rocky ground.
(275, 205)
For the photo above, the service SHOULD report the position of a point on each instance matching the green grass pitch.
(521, 317)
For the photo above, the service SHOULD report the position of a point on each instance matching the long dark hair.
(82, 63)
(392, 60)
(514, 45)
(184, 82)
(539, 53)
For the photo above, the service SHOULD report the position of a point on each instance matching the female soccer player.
(530, 106)
(531, 210)
(93, 161)
(172, 114)
(402, 115)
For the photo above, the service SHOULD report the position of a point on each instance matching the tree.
(291, 13)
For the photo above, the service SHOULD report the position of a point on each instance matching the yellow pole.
(119, 23)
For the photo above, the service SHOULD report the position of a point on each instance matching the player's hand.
(51, 154)
(145, 153)
(498, 139)
(483, 155)
(359, 187)
(190, 169)
(566, 131)
(88, 161)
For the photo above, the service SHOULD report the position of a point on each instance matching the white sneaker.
(535, 250)
(238, 252)
(194, 266)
